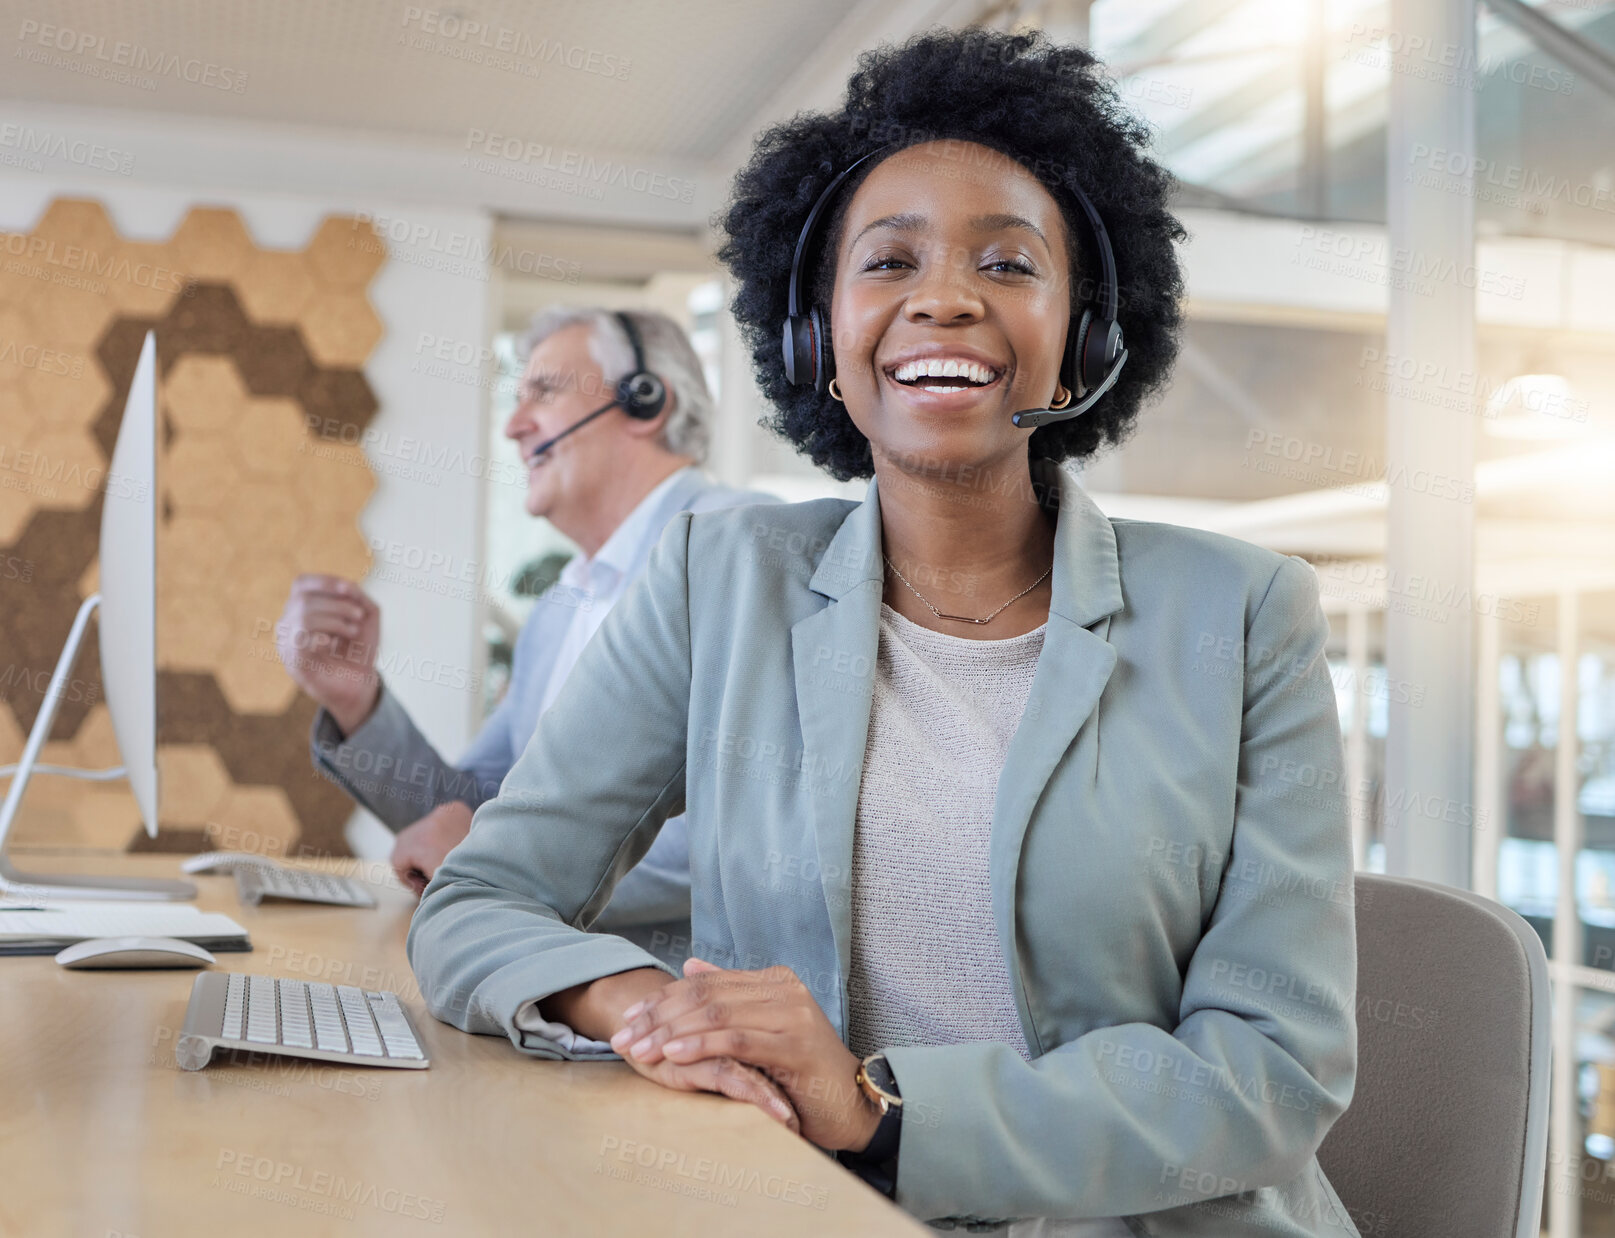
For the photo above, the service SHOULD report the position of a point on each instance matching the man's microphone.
(1032, 418)
(576, 425)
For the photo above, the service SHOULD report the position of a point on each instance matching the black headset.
(1094, 354)
(639, 393)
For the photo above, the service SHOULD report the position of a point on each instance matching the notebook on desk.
(29, 929)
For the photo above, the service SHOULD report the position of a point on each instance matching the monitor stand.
(15, 884)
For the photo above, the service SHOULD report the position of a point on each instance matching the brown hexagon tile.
(70, 401)
(339, 403)
(342, 553)
(253, 680)
(200, 476)
(192, 781)
(12, 738)
(259, 818)
(201, 392)
(17, 283)
(275, 362)
(256, 605)
(77, 221)
(212, 243)
(105, 816)
(341, 330)
(261, 516)
(95, 746)
(194, 551)
(207, 319)
(346, 253)
(190, 631)
(270, 437)
(61, 813)
(16, 509)
(19, 342)
(73, 318)
(145, 280)
(275, 286)
(68, 465)
(334, 484)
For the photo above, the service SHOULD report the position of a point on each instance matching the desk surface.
(102, 1134)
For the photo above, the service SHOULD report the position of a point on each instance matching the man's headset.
(639, 393)
(1094, 355)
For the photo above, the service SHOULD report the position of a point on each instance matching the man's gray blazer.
(1170, 859)
(393, 770)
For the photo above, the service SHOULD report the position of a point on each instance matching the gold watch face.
(883, 1098)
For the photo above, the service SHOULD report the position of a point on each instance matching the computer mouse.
(132, 952)
(222, 861)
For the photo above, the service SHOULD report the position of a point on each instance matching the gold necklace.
(967, 618)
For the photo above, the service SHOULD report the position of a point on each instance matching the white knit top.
(927, 966)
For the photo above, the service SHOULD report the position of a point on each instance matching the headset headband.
(793, 302)
(629, 330)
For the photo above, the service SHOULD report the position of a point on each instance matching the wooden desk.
(102, 1135)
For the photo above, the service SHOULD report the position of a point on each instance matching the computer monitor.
(128, 636)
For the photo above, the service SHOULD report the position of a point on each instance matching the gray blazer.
(1170, 864)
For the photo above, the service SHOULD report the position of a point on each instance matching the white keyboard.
(298, 1018)
(256, 882)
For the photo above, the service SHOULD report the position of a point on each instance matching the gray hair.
(668, 354)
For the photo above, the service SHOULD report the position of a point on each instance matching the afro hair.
(1046, 105)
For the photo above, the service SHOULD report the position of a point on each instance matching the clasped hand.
(764, 1019)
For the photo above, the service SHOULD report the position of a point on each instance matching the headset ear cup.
(642, 395)
(824, 358)
(1098, 351)
(1072, 377)
(797, 345)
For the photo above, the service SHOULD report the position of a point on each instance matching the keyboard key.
(361, 1027)
(235, 1006)
(394, 1027)
(263, 1016)
(328, 1031)
(295, 1028)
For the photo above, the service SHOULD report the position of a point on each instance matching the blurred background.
(1399, 364)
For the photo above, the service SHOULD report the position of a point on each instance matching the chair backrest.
(1447, 1132)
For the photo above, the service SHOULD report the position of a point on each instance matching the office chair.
(1447, 1132)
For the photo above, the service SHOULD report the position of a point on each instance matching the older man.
(612, 422)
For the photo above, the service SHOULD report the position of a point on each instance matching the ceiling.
(677, 80)
(1219, 81)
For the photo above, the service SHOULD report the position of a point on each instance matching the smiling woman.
(1051, 843)
(1008, 100)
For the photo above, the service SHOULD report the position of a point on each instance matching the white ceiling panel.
(676, 79)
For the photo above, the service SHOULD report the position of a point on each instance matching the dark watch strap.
(888, 1135)
(877, 1163)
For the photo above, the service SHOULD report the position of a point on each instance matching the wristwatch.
(877, 1082)
(877, 1163)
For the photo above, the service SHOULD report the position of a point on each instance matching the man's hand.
(767, 1020)
(327, 638)
(422, 845)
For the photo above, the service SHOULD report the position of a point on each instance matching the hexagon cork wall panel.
(254, 347)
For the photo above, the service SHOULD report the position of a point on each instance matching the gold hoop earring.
(835, 392)
(1063, 400)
